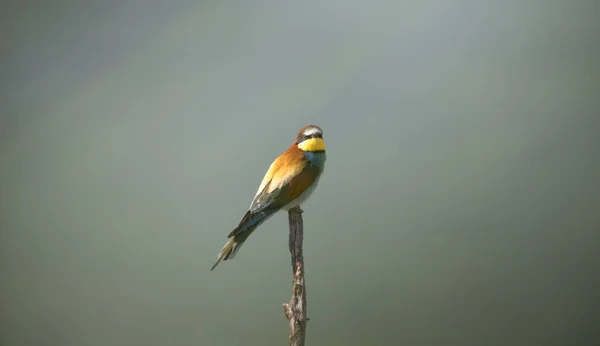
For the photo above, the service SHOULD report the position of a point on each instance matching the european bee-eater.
(288, 183)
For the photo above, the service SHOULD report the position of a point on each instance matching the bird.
(289, 182)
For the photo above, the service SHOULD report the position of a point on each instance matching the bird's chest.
(316, 158)
(303, 197)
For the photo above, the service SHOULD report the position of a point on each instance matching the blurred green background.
(460, 204)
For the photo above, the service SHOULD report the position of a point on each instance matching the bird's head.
(310, 138)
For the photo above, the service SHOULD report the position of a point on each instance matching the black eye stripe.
(314, 135)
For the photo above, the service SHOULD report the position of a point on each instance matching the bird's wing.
(286, 167)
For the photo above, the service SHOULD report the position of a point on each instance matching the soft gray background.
(460, 204)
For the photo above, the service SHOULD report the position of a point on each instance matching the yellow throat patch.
(313, 144)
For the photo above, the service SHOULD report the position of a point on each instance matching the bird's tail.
(232, 247)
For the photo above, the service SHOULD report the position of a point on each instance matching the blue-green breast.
(317, 158)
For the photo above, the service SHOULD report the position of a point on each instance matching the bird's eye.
(305, 137)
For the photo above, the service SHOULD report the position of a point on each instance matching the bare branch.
(295, 309)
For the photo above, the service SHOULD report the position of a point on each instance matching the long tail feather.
(225, 251)
(239, 235)
(232, 246)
